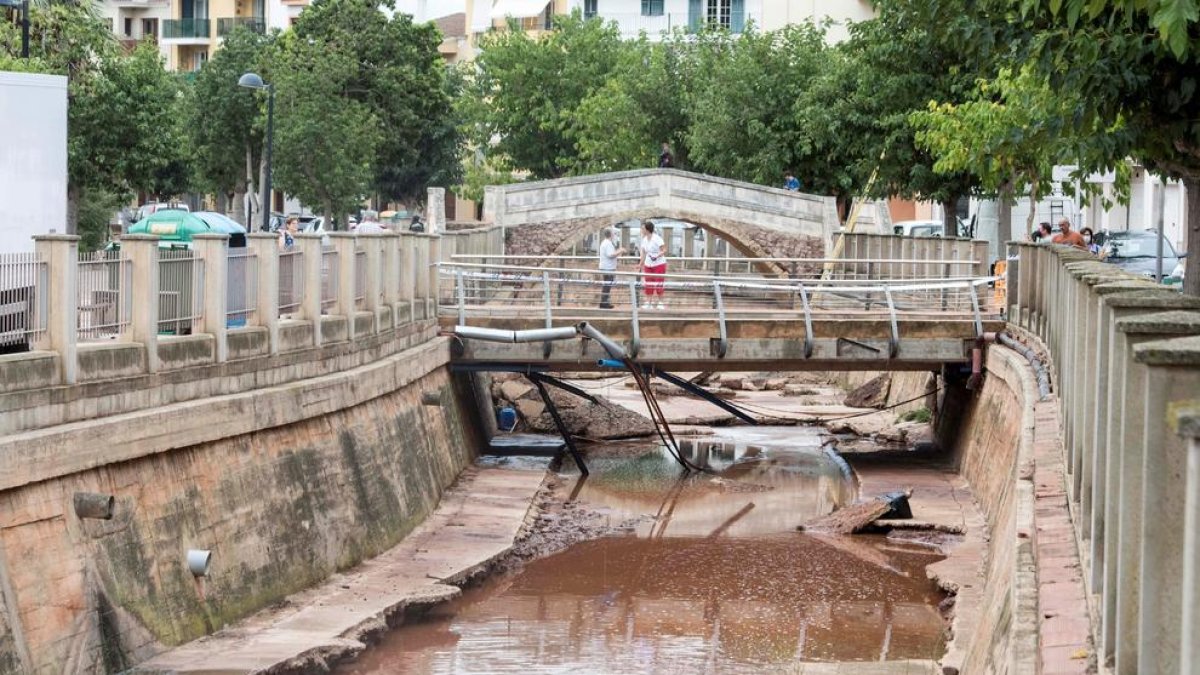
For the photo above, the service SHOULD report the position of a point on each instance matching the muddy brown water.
(717, 581)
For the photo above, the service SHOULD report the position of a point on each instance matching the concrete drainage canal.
(638, 568)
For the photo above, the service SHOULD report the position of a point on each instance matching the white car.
(918, 228)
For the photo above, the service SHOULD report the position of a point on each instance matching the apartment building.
(196, 27)
(780, 13)
(654, 17)
(135, 21)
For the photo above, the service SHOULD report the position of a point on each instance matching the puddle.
(718, 581)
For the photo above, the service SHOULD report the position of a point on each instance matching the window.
(718, 13)
(128, 27)
(150, 28)
(589, 8)
(200, 59)
(652, 7)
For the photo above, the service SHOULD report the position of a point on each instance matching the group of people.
(1084, 239)
(652, 261)
(368, 225)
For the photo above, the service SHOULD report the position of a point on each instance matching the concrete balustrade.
(1187, 423)
(1125, 358)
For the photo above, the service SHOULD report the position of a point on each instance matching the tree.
(523, 99)
(122, 136)
(225, 125)
(326, 142)
(398, 76)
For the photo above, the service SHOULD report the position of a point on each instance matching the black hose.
(1039, 368)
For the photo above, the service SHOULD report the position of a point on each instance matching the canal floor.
(704, 574)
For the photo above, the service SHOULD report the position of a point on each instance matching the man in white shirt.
(609, 254)
(370, 223)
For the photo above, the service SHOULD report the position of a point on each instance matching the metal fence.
(291, 281)
(180, 291)
(360, 278)
(241, 288)
(23, 299)
(329, 277)
(103, 295)
(512, 291)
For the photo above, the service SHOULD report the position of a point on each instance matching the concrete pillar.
(345, 244)
(1188, 426)
(421, 274)
(493, 196)
(372, 244)
(435, 209)
(1127, 448)
(213, 249)
(142, 252)
(626, 234)
(1172, 377)
(689, 243)
(265, 246)
(667, 234)
(391, 273)
(408, 263)
(310, 307)
(60, 253)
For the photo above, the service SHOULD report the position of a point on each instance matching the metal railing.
(226, 24)
(508, 291)
(103, 296)
(360, 278)
(180, 291)
(329, 277)
(737, 266)
(291, 281)
(23, 299)
(241, 288)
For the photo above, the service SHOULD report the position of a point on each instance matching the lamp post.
(254, 81)
(23, 6)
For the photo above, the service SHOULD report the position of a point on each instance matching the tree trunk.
(251, 184)
(1004, 215)
(73, 196)
(950, 216)
(1191, 275)
(238, 207)
(1033, 200)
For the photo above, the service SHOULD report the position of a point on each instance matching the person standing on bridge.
(653, 264)
(609, 253)
(665, 159)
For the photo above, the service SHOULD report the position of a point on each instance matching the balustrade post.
(60, 253)
(345, 245)
(1171, 370)
(312, 252)
(1130, 454)
(213, 249)
(435, 209)
(265, 247)
(1188, 425)
(390, 242)
(408, 262)
(142, 252)
(372, 290)
(435, 258)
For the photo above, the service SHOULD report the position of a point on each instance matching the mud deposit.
(640, 569)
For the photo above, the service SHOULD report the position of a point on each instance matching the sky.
(435, 8)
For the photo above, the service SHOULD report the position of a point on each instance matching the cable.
(750, 408)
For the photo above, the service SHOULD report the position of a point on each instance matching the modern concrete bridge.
(293, 412)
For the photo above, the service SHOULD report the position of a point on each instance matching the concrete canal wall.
(292, 483)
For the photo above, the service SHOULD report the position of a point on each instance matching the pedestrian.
(790, 182)
(1043, 233)
(370, 223)
(415, 225)
(653, 264)
(665, 159)
(1066, 237)
(1089, 241)
(287, 234)
(609, 254)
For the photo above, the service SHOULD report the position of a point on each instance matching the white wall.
(779, 13)
(628, 15)
(33, 165)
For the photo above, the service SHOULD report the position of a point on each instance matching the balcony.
(226, 25)
(186, 29)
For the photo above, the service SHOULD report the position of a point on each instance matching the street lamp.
(22, 5)
(254, 81)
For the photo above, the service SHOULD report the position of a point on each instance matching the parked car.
(1137, 252)
(175, 228)
(918, 228)
(146, 210)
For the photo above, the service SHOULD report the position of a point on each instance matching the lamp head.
(250, 81)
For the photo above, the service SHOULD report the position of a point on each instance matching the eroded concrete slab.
(474, 524)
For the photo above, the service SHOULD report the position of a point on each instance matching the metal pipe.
(614, 350)
(512, 336)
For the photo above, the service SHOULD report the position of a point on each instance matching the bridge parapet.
(1126, 355)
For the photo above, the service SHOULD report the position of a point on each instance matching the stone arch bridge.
(546, 218)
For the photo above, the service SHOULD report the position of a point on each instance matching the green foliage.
(523, 99)
(96, 210)
(326, 142)
(225, 122)
(394, 72)
(918, 415)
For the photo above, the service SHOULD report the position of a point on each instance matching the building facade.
(839, 13)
